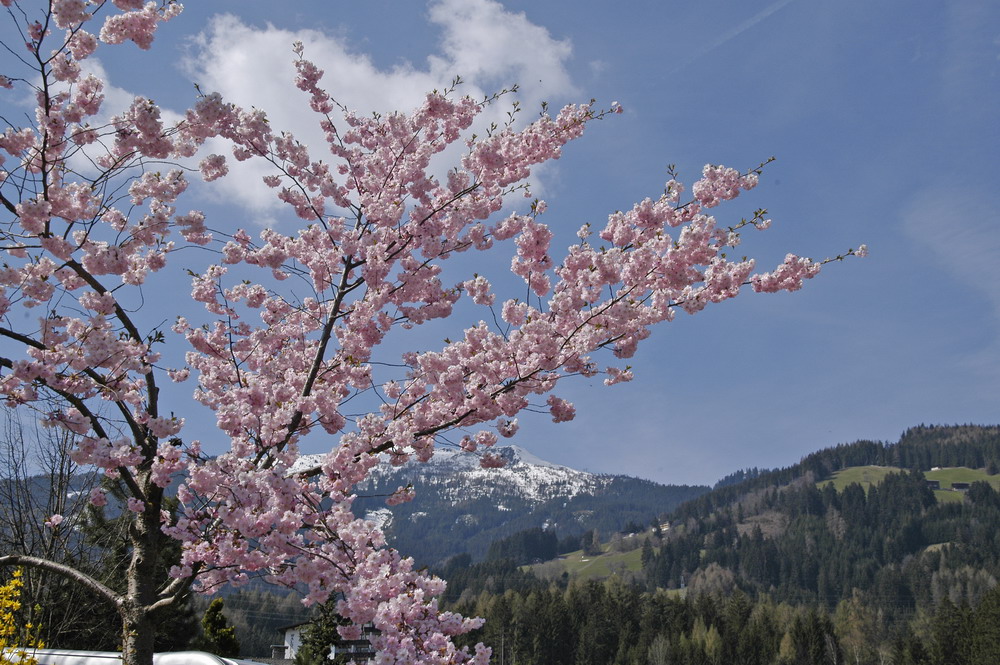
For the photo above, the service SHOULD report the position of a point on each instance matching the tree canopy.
(294, 325)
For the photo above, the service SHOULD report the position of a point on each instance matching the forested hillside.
(803, 543)
(791, 535)
(782, 567)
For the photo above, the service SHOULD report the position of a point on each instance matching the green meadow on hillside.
(576, 564)
(867, 476)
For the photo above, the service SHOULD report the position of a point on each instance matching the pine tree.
(984, 644)
(659, 651)
(217, 635)
(591, 543)
(321, 635)
(647, 557)
(950, 631)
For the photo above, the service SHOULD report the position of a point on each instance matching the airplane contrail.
(730, 34)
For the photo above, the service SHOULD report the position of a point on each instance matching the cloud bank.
(488, 46)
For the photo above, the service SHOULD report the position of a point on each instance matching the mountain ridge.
(458, 502)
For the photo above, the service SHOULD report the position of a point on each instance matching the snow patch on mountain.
(381, 517)
(457, 476)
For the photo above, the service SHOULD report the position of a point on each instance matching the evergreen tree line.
(769, 568)
(528, 546)
(468, 579)
(848, 577)
(615, 623)
(740, 476)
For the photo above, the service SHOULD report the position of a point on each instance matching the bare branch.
(66, 571)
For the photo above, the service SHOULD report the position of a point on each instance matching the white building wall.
(293, 641)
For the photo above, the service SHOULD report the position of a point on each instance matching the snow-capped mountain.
(462, 507)
(458, 477)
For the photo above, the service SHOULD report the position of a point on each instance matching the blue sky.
(884, 121)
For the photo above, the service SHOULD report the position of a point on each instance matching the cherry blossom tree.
(296, 324)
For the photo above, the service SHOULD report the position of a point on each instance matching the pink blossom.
(137, 25)
(213, 167)
(560, 409)
(68, 13)
(491, 461)
(36, 31)
(15, 142)
(788, 276)
(479, 290)
(485, 438)
(54, 521)
(349, 632)
(507, 428)
(179, 375)
(82, 44)
(98, 497)
(162, 428)
(401, 495)
(719, 183)
(192, 227)
(34, 215)
(617, 375)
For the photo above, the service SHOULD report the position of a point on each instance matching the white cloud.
(489, 47)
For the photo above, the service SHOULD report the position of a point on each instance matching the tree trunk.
(138, 625)
(138, 637)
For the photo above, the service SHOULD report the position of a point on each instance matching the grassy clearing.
(962, 474)
(959, 474)
(591, 567)
(948, 496)
(867, 476)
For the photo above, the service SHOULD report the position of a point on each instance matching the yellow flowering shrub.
(16, 639)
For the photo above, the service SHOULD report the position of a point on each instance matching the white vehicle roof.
(71, 657)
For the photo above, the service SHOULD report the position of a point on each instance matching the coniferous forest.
(599, 623)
